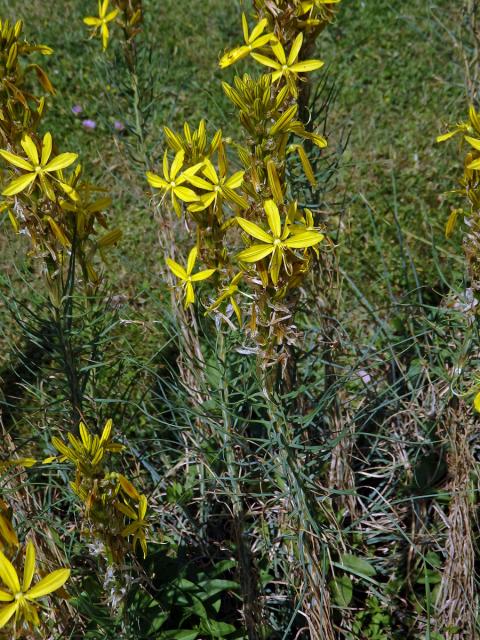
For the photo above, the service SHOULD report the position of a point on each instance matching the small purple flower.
(77, 109)
(365, 377)
(118, 125)
(89, 124)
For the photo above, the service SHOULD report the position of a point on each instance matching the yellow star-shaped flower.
(102, 21)
(19, 599)
(186, 276)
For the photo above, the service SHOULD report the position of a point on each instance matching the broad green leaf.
(358, 566)
(342, 590)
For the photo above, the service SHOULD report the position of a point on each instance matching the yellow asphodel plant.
(114, 511)
(18, 598)
(255, 194)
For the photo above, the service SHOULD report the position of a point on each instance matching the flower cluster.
(45, 199)
(469, 188)
(250, 204)
(115, 512)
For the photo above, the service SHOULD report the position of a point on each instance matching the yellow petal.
(307, 65)
(234, 56)
(254, 230)
(236, 308)
(209, 172)
(112, 15)
(307, 167)
(104, 30)
(203, 275)
(155, 181)
(59, 233)
(142, 507)
(274, 267)
(126, 510)
(304, 239)
(107, 429)
(7, 531)
(267, 62)
(85, 436)
(200, 183)
(128, 487)
(19, 184)
(8, 575)
(279, 51)
(255, 253)
(46, 148)
(7, 612)
(177, 269)
(185, 194)
(61, 162)
(295, 50)
(5, 596)
(476, 402)
(191, 171)
(235, 181)
(189, 295)
(177, 164)
(29, 567)
(258, 30)
(30, 149)
(92, 21)
(262, 41)
(473, 165)
(273, 217)
(245, 28)
(192, 257)
(17, 161)
(448, 135)
(47, 585)
(174, 141)
(475, 142)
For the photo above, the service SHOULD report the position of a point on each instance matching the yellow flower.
(253, 41)
(87, 452)
(39, 169)
(173, 180)
(288, 68)
(216, 187)
(186, 275)
(276, 243)
(19, 599)
(102, 21)
(139, 525)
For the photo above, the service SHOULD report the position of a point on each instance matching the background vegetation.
(387, 477)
